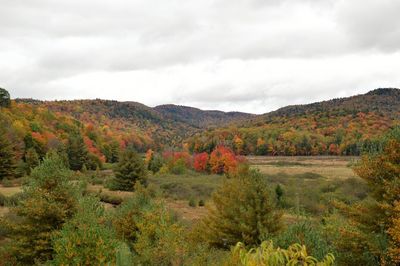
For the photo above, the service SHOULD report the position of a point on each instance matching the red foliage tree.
(200, 162)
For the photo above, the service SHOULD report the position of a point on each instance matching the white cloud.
(247, 55)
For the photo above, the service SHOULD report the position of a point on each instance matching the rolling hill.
(339, 126)
(342, 126)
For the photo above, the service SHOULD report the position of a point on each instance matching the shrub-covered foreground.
(54, 222)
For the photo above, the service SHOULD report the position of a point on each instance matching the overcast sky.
(232, 55)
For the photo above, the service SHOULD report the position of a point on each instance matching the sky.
(231, 55)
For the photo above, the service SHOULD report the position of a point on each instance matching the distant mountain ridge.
(381, 100)
(200, 118)
(135, 111)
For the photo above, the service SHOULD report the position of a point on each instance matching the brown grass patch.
(9, 191)
(327, 166)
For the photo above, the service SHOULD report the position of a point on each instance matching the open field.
(309, 183)
(332, 167)
(187, 186)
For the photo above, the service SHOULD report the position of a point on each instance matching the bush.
(150, 230)
(201, 203)
(304, 233)
(192, 203)
(178, 167)
(14, 199)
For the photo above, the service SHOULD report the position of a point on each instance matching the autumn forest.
(102, 182)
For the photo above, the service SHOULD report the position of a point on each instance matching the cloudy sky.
(244, 55)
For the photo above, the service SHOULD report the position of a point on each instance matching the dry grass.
(102, 189)
(187, 213)
(3, 211)
(328, 166)
(9, 191)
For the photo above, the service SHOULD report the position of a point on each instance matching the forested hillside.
(338, 127)
(343, 126)
(104, 127)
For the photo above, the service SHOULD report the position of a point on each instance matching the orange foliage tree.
(223, 160)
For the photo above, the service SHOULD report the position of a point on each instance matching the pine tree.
(49, 199)
(279, 194)
(129, 170)
(368, 234)
(242, 211)
(77, 152)
(86, 238)
(31, 159)
(155, 163)
(7, 156)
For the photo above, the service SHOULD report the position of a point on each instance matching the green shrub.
(178, 167)
(201, 203)
(150, 230)
(14, 199)
(192, 203)
(304, 233)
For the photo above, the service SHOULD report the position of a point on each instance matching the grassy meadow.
(308, 184)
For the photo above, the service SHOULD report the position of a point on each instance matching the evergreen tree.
(85, 238)
(129, 170)
(7, 156)
(31, 159)
(5, 100)
(48, 201)
(279, 193)
(150, 229)
(155, 163)
(243, 212)
(366, 236)
(77, 152)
